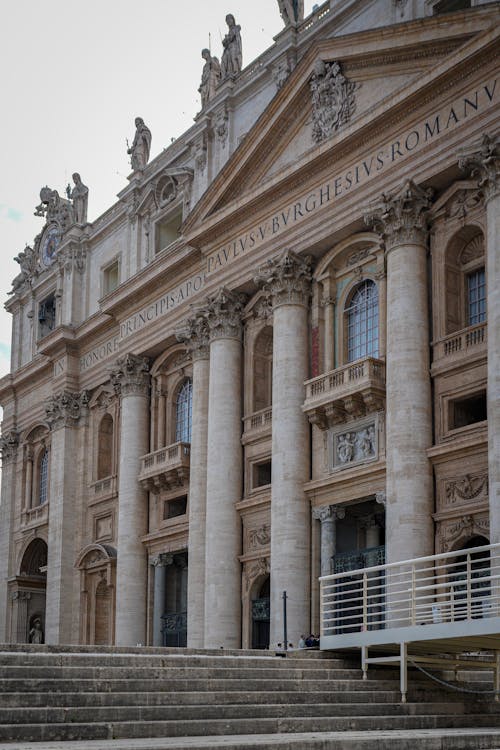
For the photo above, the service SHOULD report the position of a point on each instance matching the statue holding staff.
(232, 56)
(140, 148)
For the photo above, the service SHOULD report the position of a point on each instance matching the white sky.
(74, 77)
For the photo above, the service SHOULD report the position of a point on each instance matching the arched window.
(362, 322)
(263, 369)
(105, 447)
(183, 412)
(43, 477)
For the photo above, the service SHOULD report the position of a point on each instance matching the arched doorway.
(28, 595)
(97, 564)
(261, 615)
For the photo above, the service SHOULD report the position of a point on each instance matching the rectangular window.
(174, 508)
(476, 297)
(468, 410)
(111, 277)
(261, 474)
(168, 230)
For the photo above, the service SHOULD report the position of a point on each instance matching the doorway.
(261, 616)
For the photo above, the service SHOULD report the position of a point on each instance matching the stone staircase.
(180, 698)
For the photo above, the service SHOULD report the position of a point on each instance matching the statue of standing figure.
(140, 148)
(80, 198)
(232, 56)
(210, 77)
(292, 11)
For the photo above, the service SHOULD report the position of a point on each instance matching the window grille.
(184, 407)
(362, 322)
(476, 297)
(44, 476)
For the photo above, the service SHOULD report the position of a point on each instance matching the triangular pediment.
(381, 69)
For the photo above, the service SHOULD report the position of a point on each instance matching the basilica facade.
(277, 355)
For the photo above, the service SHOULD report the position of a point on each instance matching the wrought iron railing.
(174, 629)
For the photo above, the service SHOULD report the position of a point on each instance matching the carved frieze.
(73, 257)
(354, 445)
(483, 162)
(474, 250)
(253, 570)
(358, 256)
(466, 489)
(451, 533)
(286, 279)
(130, 375)
(259, 537)
(66, 408)
(333, 99)
(221, 126)
(403, 216)
(8, 446)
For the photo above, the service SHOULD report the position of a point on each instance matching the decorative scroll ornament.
(260, 537)
(253, 570)
(73, 257)
(325, 512)
(223, 312)
(403, 216)
(466, 488)
(130, 375)
(333, 100)
(195, 334)
(286, 279)
(483, 162)
(55, 209)
(66, 408)
(8, 446)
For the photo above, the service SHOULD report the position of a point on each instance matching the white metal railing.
(454, 587)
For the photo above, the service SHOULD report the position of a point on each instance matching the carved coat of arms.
(333, 100)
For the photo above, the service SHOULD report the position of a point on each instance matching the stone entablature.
(345, 393)
(166, 468)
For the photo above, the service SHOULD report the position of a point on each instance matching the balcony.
(257, 424)
(103, 489)
(350, 391)
(460, 345)
(166, 468)
(36, 516)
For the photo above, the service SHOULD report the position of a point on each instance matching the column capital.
(286, 279)
(65, 409)
(381, 498)
(195, 334)
(222, 312)
(482, 160)
(130, 375)
(325, 512)
(8, 446)
(163, 560)
(402, 217)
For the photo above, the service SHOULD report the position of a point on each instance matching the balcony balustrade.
(103, 489)
(165, 468)
(353, 390)
(258, 423)
(461, 344)
(36, 516)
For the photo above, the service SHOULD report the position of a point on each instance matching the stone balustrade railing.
(37, 515)
(460, 343)
(165, 466)
(103, 488)
(351, 390)
(258, 420)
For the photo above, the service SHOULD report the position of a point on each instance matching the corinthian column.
(328, 515)
(8, 447)
(484, 162)
(287, 280)
(64, 413)
(224, 473)
(195, 335)
(130, 379)
(401, 220)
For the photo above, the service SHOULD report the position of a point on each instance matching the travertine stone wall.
(9, 452)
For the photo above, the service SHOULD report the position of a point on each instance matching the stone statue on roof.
(210, 77)
(232, 56)
(141, 146)
(80, 199)
(292, 11)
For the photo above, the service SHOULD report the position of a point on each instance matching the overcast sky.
(74, 77)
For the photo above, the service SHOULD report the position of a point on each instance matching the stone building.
(278, 354)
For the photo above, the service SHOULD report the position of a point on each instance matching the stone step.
(220, 727)
(412, 739)
(173, 686)
(79, 714)
(191, 698)
(182, 672)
